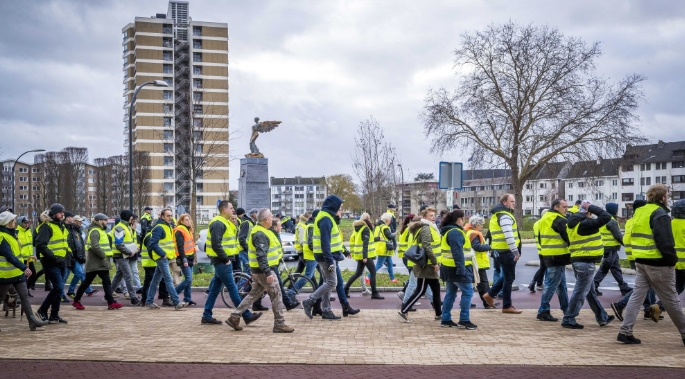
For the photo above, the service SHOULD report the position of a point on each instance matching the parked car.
(287, 239)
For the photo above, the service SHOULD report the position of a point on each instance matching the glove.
(331, 268)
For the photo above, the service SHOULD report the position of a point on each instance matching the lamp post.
(14, 176)
(402, 187)
(643, 161)
(156, 83)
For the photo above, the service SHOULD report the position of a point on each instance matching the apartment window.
(626, 197)
(167, 42)
(23, 169)
(197, 122)
(598, 196)
(198, 148)
(678, 164)
(663, 180)
(23, 178)
(628, 167)
(197, 31)
(197, 135)
(614, 196)
(199, 187)
(168, 148)
(167, 29)
(614, 182)
(627, 182)
(168, 174)
(646, 181)
(34, 179)
(529, 186)
(678, 195)
(168, 95)
(570, 198)
(197, 83)
(581, 184)
(197, 109)
(167, 108)
(197, 44)
(167, 56)
(657, 180)
(657, 166)
(197, 57)
(37, 170)
(599, 183)
(645, 166)
(167, 68)
(570, 185)
(34, 188)
(678, 179)
(197, 70)
(529, 198)
(197, 96)
(168, 134)
(23, 188)
(543, 198)
(168, 161)
(167, 121)
(543, 185)
(91, 180)
(198, 200)
(554, 185)
(528, 212)
(23, 197)
(37, 197)
(168, 187)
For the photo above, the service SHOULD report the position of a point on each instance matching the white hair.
(386, 217)
(476, 220)
(262, 214)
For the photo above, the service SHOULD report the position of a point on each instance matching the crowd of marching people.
(456, 252)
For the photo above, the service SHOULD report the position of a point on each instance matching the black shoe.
(546, 316)
(598, 293)
(618, 311)
(254, 317)
(135, 301)
(48, 288)
(412, 309)
(473, 306)
(468, 325)
(210, 321)
(449, 324)
(30, 295)
(572, 326)
(629, 340)
(139, 291)
(348, 310)
(57, 320)
(329, 315)
(531, 287)
(192, 303)
(608, 321)
(167, 303)
(291, 306)
(377, 296)
(119, 290)
(42, 316)
(625, 292)
(259, 308)
(307, 306)
(332, 298)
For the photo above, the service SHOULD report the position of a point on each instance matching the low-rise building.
(544, 186)
(295, 196)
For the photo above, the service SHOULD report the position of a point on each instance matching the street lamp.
(643, 161)
(14, 176)
(156, 83)
(402, 196)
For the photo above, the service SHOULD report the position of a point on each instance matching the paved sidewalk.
(372, 337)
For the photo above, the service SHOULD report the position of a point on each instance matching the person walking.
(427, 217)
(13, 272)
(263, 255)
(162, 247)
(185, 256)
(133, 259)
(612, 240)
(456, 270)
(242, 263)
(402, 246)
(363, 251)
(288, 302)
(98, 254)
(384, 240)
(78, 250)
(474, 237)
(539, 276)
(506, 242)
(125, 246)
(301, 240)
(553, 241)
(678, 226)
(25, 237)
(586, 249)
(149, 266)
(222, 252)
(311, 266)
(655, 257)
(146, 222)
(44, 219)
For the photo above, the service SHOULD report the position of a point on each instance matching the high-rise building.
(184, 126)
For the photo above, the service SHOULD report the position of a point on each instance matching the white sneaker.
(404, 317)
(366, 292)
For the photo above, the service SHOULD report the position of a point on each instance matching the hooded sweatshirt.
(331, 206)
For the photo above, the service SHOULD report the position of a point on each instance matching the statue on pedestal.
(259, 127)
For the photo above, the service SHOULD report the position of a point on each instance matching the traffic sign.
(450, 175)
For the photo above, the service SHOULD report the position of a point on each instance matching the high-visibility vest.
(482, 257)
(410, 241)
(129, 234)
(357, 245)
(25, 238)
(550, 242)
(336, 236)
(145, 254)
(627, 240)
(642, 237)
(498, 240)
(308, 253)
(146, 216)
(379, 240)
(436, 242)
(299, 228)
(678, 226)
(573, 209)
(607, 238)
(58, 242)
(166, 243)
(447, 258)
(403, 243)
(188, 242)
(228, 240)
(285, 219)
(584, 246)
(274, 252)
(103, 243)
(8, 270)
(536, 231)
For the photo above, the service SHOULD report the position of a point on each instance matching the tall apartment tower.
(183, 126)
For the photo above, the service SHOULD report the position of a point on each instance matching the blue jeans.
(464, 303)
(340, 286)
(411, 287)
(388, 263)
(496, 272)
(309, 268)
(223, 276)
(52, 301)
(504, 283)
(555, 281)
(161, 273)
(185, 285)
(79, 275)
(244, 262)
(584, 272)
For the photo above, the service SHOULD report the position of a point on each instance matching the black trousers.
(31, 281)
(360, 271)
(106, 285)
(484, 285)
(679, 281)
(422, 285)
(539, 277)
(161, 294)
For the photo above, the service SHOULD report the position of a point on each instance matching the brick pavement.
(372, 337)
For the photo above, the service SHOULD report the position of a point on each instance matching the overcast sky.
(321, 67)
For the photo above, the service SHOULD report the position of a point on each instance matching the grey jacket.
(96, 259)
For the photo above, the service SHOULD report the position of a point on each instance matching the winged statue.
(257, 128)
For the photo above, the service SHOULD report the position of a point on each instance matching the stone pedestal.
(254, 190)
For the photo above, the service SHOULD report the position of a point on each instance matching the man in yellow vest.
(612, 240)
(678, 225)
(264, 254)
(506, 241)
(575, 208)
(25, 237)
(552, 240)
(586, 250)
(248, 221)
(145, 222)
(125, 247)
(539, 276)
(222, 250)
(162, 247)
(51, 244)
(655, 255)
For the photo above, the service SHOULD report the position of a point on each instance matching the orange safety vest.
(188, 243)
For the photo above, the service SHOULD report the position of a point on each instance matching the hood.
(575, 219)
(414, 226)
(332, 204)
(500, 208)
(358, 223)
(447, 228)
(678, 209)
(45, 217)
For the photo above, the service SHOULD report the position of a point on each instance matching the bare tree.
(141, 181)
(529, 95)
(73, 181)
(118, 183)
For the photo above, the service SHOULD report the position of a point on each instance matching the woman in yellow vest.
(363, 251)
(678, 225)
(474, 235)
(13, 272)
(384, 240)
(185, 255)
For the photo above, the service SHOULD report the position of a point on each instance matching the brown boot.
(511, 310)
(488, 299)
(234, 322)
(283, 329)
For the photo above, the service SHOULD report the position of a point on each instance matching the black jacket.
(217, 230)
(559, 226)
(244, 232)
(47, 258)
(76, 244)
(660, 223)
(589, 226)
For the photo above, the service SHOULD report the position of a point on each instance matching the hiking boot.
(468, 325)
(179, 306)
(531, 287)
(348, 310)
(598, 293)
(404, 317)
(167, 303)
(654, 312)
(628, 340)
(307, 306)
(329, 315)
(608, 321)
(572, 326)
(283, 329)
(291, 306)
(259, 308)
(377, 296)
(618, 310)
(252, 318)
(449, 324)
(234, 322)
(114, 306)
(78, 305)
(546, 316)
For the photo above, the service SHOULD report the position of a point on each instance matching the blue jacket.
(331, 206)
(460, 273)
(158, 234)
(6, 252)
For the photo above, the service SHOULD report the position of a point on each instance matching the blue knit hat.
(612, 208)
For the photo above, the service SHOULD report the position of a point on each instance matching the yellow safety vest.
(336, 236)
(147, 259)
(357, 245)
(498, 240)
(228, 240)
(146, 216)
(411, 240)
(26, 242)
(584, 246)
(436, 244)
(627, 240)
(308, 253)
(166, 243)
(642, 237)
(380, 241)
(536, 231)
(447, 259)
(298, 229)
(103, 243)
(482, 257)
(58, 242)
(8, 270)
(403, 243)
(274, 252)
(550, 242)
(678, 225)
(607, 238)
(573, 209)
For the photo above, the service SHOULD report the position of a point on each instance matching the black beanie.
(125, 215)
(68, 214)
(55, 209)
